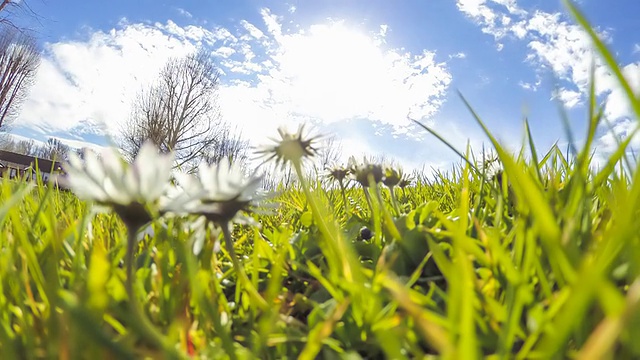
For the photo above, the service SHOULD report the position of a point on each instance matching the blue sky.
(355, 69)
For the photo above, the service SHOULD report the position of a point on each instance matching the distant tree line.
(53, 149)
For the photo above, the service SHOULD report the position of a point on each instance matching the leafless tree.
(25, 147)
(180, 113)
(147, 121)
(329, 152)
(228, 145)
(10, 10)
(54, 149)
(19, 61)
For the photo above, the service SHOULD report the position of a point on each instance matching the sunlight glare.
(335, 65)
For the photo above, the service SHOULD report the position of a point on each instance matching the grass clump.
(533, 258)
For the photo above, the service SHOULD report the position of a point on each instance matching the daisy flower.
(131, 190)
(290, 148)
(392, 177)
(337, 174)
(362, 171)
(219, 192)
(108, 180)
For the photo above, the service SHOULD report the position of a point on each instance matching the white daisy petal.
(108, 180)
(222, 191)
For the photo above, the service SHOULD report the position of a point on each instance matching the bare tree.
(11, 9)
(228, 145)
(180, 113)
(19, 61)
(148, 121)
(55, 150)
(329, 152)
(25, 147)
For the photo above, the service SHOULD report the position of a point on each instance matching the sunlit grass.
(536, 258)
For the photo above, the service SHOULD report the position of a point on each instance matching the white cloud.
(607, 143)
(553, 43)
(560, 46)
(326, 73)
(477, 9)
(491, 16)
(617, 105)
(224, 51)
(526, 85)
(254, 31)
(271, 21)
(531, 86)
(383, 30)
(569, 98)
(332, 74)
(511, 6)
(77, 144)
(184, 13)
(92, 82)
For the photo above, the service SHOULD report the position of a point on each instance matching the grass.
(538, 262)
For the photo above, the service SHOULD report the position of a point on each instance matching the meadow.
(528, 255)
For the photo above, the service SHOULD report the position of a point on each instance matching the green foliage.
(538, 260)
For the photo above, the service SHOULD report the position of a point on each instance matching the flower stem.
(394, 201)
(386, 215)
(139, 321)
(242, 275)
(344, 198)
(368, 198)
(335, 246)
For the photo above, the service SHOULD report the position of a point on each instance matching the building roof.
(26, 161)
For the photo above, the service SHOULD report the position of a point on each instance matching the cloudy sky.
(356, 69)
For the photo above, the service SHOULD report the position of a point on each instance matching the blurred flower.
(406, 181)
(362, 171)
(218, 193)
(491, 167)
(128, 189)
(147, 231)
(198, 229)
(392, 177)
(290, 148)
(337, 173)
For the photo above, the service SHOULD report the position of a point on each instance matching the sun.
(331, 73)
(333, 70)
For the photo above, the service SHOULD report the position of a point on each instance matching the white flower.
(198, 229)
(110, 181)
(149, 231)
(490, 167)
(219, 192)
(291, 147)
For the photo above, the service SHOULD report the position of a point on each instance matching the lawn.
(528, 255)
